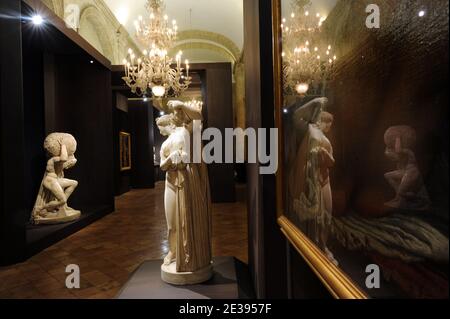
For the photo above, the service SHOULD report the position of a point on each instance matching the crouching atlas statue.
(51, 203)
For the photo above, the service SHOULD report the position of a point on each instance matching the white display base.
(66, 216)
(170, 275)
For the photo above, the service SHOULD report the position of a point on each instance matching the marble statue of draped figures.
(187, 200)
(309, 161)
(51, 203)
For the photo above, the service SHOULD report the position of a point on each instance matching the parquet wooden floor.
(109, 250)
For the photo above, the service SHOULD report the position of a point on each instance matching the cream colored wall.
(98, 26)
(87, 31)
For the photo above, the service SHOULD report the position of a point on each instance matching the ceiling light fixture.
(152, 70)
(307, 60)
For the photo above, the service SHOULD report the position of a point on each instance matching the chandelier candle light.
(307, 61)
(153, 69)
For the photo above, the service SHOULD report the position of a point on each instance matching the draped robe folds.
(193, 215)
(308, 177)
(193, 219)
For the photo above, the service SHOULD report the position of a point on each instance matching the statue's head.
(54, 143)
(166, 124)
(398, 138)
(180, 117)
(325, 121)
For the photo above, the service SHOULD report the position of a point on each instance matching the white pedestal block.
(170, 275)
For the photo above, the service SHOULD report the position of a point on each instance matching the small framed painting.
(125, 151)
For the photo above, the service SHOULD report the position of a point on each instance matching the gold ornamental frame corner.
(334, 279)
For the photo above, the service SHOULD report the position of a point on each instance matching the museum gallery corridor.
(109, 250)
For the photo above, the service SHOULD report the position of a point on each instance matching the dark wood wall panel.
(142, 141)
(13, 210)
(34, 117)
(160, 175)
(303, 282)
(267, 245)
(219, 114)
(253, 118)
(83, 97)
(121, 124)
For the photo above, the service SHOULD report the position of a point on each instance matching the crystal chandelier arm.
(153, 69)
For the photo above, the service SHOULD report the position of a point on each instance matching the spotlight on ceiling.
(37, 19)
(422, 13)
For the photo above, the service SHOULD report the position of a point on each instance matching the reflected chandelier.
(307, 60)
(153, 69)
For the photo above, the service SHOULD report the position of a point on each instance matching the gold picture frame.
(125, 151)
(333, 278)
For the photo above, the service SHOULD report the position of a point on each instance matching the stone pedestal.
(64, 215)
(170, 275)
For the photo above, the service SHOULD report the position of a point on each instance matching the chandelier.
(307, 59)
(153, 69)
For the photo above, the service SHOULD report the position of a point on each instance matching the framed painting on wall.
(125, 151)
(362, 110)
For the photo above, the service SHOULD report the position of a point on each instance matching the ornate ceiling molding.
(115, 24)
(217, 38)
(192, 45)
(118, 37)
(57, 6)
(92, 15)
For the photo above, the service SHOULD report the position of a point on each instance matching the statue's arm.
(165, 161)
(157, 103)
(170, 162)
(191, 111)
(63, 156)
(51, 164)
(310, 112)
(327, 157)
(175, 161)
(178, 157)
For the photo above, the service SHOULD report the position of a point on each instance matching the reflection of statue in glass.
(326, 160)
(401, 235)
(406, 180)
(51, 203)
(187, 204)
(309, 190)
